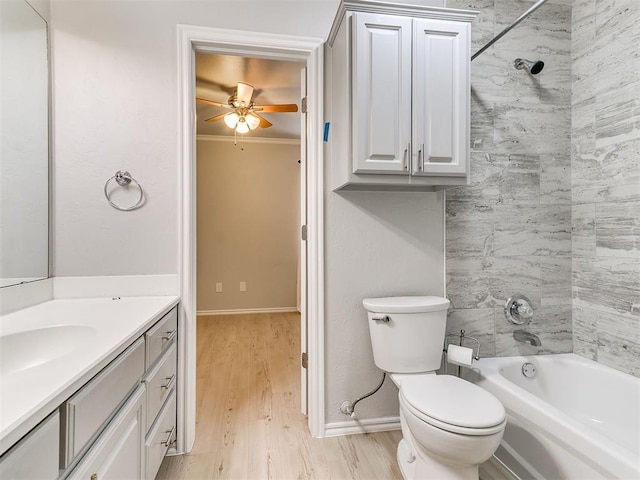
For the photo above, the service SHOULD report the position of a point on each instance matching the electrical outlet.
(218, 287)
(243, 286)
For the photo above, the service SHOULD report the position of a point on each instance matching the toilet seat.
(452, 404)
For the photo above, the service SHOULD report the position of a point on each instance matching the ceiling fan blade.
(217, 117)
(211, 102)
(264, 123)
(245, 92)
(289, 107)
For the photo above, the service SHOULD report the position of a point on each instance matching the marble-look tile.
(476, 322)
(609, 282)
(583, 83)
(481, 122)
(617, 65)
(483, 282)
(519, 181)
(552, 325)
(585, 332)
(483, 25)
(532, 230)
(555, 277)
(555, 179)
(583, 26)
(469, 282)
(583, 230)
(484, 186)
(469, 229)
(618, 114)
(547, 30)
(617, 228)
(512, 275)
(532, 129)
(619, 353)
(496, 77)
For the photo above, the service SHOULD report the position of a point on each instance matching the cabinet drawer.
(160, 335)
(117, 453)
(36, 455)
(160, 381)
(161, 436)
(87, 410)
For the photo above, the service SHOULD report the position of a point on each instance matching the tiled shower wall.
(509, 232)
(605, 166)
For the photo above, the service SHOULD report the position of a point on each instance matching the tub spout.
(527, 337)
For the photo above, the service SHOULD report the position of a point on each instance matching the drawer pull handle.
(168, 336)
(170, 381)
(168, 441)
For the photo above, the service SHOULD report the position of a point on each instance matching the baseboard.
(244, 311)
(369, 425)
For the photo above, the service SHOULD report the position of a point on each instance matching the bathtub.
(575, 419)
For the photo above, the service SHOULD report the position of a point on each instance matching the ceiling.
(275, 82)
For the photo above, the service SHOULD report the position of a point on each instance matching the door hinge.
(304, 233)
(305, 360)
(303, 105)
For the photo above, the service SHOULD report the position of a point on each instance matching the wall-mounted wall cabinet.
(398, 92)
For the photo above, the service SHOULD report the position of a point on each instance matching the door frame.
(264, 45)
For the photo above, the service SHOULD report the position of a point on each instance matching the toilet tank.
(407, 333)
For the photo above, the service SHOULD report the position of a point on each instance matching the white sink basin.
(27, 349)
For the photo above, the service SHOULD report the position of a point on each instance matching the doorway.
(283, 47)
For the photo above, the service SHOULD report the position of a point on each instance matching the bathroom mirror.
(24, 144)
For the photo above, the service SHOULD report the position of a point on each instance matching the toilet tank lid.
(416, 304)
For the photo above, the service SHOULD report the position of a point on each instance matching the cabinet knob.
(94, 476)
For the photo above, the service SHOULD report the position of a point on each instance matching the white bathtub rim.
(597, 450)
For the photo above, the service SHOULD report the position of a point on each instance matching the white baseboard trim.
(115, 286)
(368, 425)
(242, 311)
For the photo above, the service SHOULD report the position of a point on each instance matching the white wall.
(116, 107)
(116, 98)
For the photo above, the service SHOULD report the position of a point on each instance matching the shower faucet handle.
(518, 310)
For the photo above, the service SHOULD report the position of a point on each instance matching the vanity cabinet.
(119, 451)
(398, 94)
(121, 423)
(36, 455)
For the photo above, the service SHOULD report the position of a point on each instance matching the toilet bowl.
(452, 426)
(449, 426)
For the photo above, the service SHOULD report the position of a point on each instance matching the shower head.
(532, 67)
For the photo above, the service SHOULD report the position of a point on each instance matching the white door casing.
(304, 378)
(263, 45)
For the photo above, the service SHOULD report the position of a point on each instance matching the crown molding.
(231, 138)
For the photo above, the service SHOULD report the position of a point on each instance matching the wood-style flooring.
(249, 424)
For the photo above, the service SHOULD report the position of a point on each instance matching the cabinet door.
(118, 453)
(441, 93)
(36, 455)
(381, 93)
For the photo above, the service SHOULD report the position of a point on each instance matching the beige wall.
(247, 224)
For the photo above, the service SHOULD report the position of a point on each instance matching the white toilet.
(449, 426)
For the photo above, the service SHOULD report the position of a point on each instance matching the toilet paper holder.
(461, 338)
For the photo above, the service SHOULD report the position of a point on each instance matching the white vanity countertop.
(105, 328)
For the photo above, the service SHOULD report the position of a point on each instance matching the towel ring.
(123, 178)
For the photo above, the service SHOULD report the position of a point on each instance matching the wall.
(509, 232)
(116, 107)
(605, 166)
(248, 217)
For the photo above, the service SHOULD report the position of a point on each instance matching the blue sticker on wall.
(326, 132)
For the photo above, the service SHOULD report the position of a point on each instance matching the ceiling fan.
(244, 114)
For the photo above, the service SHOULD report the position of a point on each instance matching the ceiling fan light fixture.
(231, 119)
(252, 121)
(242, 126)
